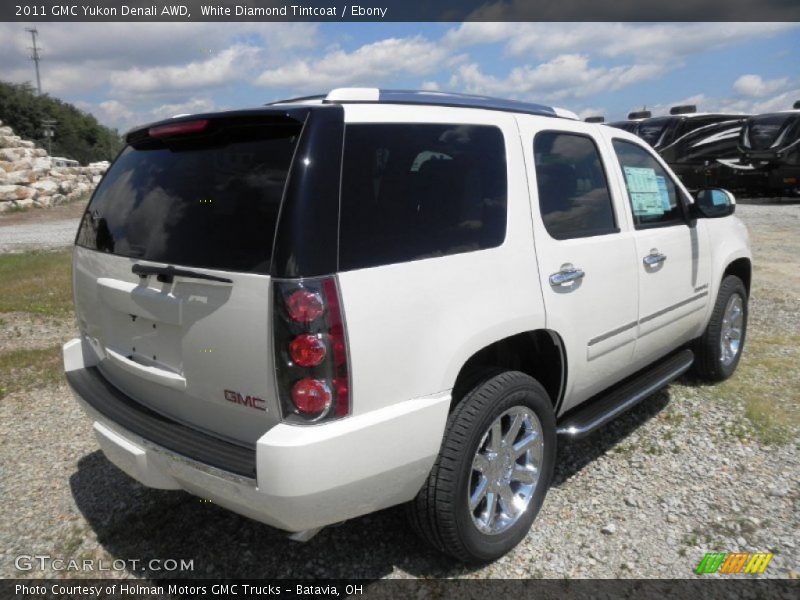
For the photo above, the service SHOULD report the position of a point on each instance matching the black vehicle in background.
(632, 124)
(698, 146)
(769, 154)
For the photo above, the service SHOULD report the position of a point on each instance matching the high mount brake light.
(311, 354)
(182, 128)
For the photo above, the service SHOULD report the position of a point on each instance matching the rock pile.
(29, 178)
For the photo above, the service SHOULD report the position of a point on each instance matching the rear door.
(171, 270)
(586, 253)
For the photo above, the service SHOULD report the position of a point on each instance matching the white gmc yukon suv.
(326, 306)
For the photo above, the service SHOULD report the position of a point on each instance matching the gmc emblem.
(249, 401)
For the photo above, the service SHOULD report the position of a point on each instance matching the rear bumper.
(293, 478)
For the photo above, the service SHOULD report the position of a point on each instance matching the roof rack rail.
(639, 114)
(796, 105)
(298, 99)
(432, 98)
(597, 119)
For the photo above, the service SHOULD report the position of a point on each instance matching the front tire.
(493, 470)
(720, 347)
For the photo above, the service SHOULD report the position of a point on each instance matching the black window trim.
(589, 233)
(684, 211)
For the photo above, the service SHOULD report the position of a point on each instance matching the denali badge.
(251, 401)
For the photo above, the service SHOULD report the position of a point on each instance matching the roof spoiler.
(597, 119)
(683, 109)
(640, 114)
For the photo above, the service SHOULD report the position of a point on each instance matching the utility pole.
(35, 57)
(48, 130)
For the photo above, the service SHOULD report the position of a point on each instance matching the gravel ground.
(644, 497)
(30, 236)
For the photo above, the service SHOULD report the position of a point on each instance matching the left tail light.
(310, 350)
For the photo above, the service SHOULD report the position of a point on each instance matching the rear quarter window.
(417, 191)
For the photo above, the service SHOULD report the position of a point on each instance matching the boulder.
(10, 154)
(10, 141)
(19, 177)
(40, 152)
(5, 130)
(26, 144)
(43, 201)
(5, 192)
(15, 192)
(66, 186)
(46, 185)
(24, 203)
(58, 199)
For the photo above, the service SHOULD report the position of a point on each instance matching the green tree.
(78, 135)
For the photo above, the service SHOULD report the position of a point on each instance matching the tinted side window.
(651, 191)
(420, 191)
(573, 191)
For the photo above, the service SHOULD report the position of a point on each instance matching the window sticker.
(643, 187)
(662, 189)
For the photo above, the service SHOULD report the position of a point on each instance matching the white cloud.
(646, 41)
(754, 86)
(565, 76)
(369, 64)
(83, 57)
(221, 68)
(196, 105)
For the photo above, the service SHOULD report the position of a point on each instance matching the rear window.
(415, 191)
(205, 201)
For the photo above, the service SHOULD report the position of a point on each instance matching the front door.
(672, 254)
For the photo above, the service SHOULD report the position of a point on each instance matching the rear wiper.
(166, 274)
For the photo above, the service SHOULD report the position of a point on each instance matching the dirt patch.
(72, 210)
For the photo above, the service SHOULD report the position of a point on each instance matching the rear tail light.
(311, 396)
(311, 356)
(307, 350)
(304, 306)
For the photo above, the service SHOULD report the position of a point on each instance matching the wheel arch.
(539, 353)
(743, 269)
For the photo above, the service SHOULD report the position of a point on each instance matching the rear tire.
(720, 347)
(492, 472)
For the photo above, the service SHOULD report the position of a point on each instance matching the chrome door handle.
(654, 258)
(567, 274)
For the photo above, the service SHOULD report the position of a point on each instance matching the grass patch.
(766, 384)
(25, 369)
(36, 282)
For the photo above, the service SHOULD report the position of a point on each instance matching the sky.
(133, 73)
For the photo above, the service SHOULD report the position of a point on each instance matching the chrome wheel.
(730, 340)
(505, 470)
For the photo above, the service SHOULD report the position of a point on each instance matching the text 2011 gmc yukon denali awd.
(323, 307)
